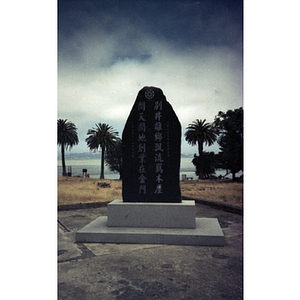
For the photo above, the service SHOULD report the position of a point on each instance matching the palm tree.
(201, 133)
(102, 136)
(67, 137)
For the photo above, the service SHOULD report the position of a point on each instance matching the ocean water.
(93, 168)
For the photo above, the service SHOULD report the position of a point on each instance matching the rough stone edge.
(216, 205)
(221, 206)
(82, 205)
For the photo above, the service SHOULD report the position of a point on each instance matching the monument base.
(149, 214)
(154, 229)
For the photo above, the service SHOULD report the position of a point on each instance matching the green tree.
(67, 137)
(209, 163)
(103, 136)
(230, 128)
(113, 159)
(200, 133)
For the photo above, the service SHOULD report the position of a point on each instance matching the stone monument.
(151, 150)
(152, 211)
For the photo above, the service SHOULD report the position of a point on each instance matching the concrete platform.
(147, 271)
(207, 233)
(149, 214)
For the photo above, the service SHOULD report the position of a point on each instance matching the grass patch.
(72, 190)
(223, 191)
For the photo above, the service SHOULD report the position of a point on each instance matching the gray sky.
(28, 126)
(109, 50)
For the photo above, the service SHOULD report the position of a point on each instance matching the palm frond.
(66, 133)
(103, 136)
(200, 132)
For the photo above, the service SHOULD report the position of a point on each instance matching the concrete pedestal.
(151, 215)
(152, 223)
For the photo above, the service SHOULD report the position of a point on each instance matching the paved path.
(123, 271)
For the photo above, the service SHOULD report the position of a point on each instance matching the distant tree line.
(226, 130)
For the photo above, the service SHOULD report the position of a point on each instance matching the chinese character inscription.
(151, 150)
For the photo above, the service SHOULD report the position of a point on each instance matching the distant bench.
(184, 177)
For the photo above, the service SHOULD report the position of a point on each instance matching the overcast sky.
(28, 120)
(109, 50)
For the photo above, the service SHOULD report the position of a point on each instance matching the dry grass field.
(73, 190)
(223, 191)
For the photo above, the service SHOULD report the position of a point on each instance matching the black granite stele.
(151, 143)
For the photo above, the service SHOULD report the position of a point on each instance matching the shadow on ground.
(115, 271)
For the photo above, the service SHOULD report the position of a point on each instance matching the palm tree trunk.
(64, 173)
(102, 164)
(233, 176)
(201, 170)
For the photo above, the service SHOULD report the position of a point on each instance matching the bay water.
(93, 168)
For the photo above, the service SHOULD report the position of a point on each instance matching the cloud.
(206, 78)
(103, 65)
